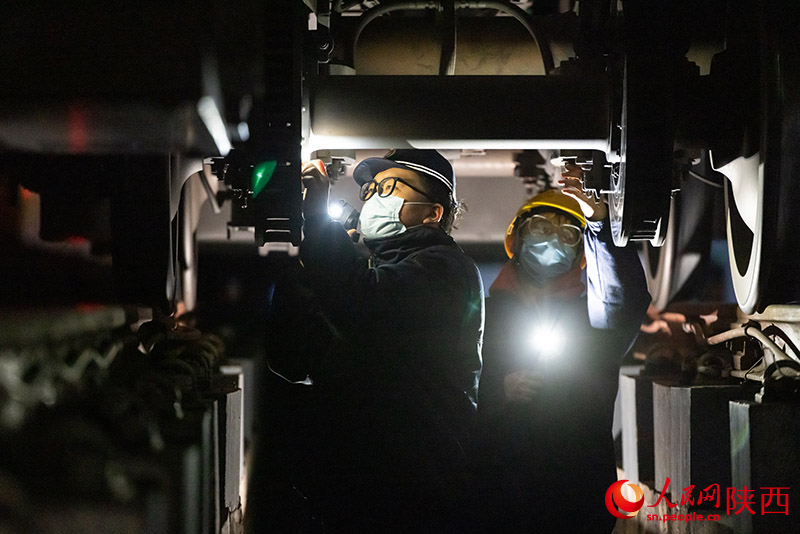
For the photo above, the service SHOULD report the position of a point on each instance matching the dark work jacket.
(395, 398)
(545, 465)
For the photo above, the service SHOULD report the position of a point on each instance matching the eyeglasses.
(385, 187)
(537, 225)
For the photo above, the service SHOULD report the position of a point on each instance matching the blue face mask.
(380, 216)
(543, 257)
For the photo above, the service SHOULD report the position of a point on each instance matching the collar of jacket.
(396, 248)
(568, 286)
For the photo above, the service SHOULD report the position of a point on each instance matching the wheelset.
(762, 190)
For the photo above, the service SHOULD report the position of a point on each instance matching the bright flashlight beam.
(335, 210)
(547, 340)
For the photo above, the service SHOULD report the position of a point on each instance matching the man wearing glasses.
(395, 396)
(560, 316)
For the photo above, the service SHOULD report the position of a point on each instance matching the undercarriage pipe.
(372, 14)
(520, 15)
(507, 8)
(750, 331)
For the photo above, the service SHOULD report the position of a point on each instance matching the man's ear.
(583, 261)
(435, 215)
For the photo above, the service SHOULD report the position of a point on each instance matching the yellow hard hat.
(551, 198)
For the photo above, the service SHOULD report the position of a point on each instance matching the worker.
(394, 397)
(562, 313)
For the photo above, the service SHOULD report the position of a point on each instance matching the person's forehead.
(553, 216)
(405, 174)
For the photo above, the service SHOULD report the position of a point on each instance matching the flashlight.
(547, 340)
(343, 212)
(336, 210)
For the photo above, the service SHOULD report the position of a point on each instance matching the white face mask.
(380, 216)
(545, 257)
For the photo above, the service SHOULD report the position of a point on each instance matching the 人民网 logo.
(618, 505)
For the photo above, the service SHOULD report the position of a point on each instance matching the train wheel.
(762, 193)
(639, 202)
(671, 268)
(641, 190)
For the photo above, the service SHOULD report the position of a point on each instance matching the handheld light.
(343, 212)
(547, 340)
(336, 210)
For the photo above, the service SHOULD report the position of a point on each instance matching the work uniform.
(545, 465)
(394, 399)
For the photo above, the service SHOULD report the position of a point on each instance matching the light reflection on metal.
(209, 113)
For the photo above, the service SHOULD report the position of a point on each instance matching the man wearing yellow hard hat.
(560, 316)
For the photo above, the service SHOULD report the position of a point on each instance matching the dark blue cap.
(427, 162)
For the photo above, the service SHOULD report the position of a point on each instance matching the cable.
(744, 374)
(726, 336)
(307, 381)
(767, 342)
(705, 180)
(750, 331)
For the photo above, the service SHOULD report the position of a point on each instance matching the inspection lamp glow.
(336, 209)
(547, 340)
(343, 212)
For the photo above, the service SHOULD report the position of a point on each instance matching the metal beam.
(511, 112)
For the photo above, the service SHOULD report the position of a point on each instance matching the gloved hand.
(522, 386)
(315, 179)
(593, 209)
